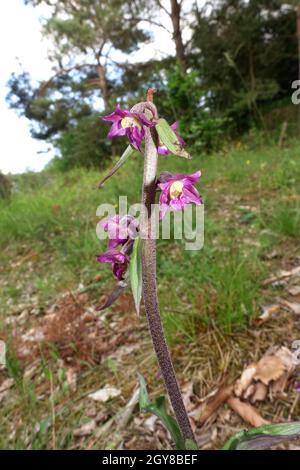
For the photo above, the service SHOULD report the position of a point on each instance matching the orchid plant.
(131, 252)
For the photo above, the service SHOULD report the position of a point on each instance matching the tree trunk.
(103, 85)
(177, 35)
(298, 35)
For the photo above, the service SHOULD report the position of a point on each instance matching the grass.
(48, 245)
(246, 193)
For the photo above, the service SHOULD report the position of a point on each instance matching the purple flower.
(162, 149)
(126, 123)
(177, 191)
(119, 262)
(297, 386)
(119, 229)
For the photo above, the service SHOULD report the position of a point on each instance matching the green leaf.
(158, 407)
(136, 273)
(168, 138)
(263, 437)
(129, 151)
(190, 445)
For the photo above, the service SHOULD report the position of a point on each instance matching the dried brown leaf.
(282, 275)
(293, 306)
(104, 394)
(246, 378)
(203, 413)
(261, 392)
(269, 368)
(268, 312)
(86, 429)
(247, 412)
(294, 291)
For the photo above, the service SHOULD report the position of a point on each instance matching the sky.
(21, 42)
(24, 48)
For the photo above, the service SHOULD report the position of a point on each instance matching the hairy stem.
(149, 279)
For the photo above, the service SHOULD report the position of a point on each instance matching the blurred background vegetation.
(233, 73)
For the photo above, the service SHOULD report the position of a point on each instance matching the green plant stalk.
(149, 277)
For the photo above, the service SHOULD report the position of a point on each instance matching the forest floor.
(61, 349)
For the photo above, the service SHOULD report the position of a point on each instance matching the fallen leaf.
(293, 306)
(294, 291)
(246, 378)
(260, 394)
(268, 312)
(277, 388)
(86, 429)
(282, 275)
(71, 378)
(187, 392)
(250, 391)
(5, 387)
(203, 413)
(269, 368)
(105, 394)
(287, 357)
(247, 412)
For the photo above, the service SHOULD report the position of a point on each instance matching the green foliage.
(136, 273)
(84, 145)
(263, 437)
(184, 99)
(246, 48)
(158, 407)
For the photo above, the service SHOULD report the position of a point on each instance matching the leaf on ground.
(71, 378)
(86, 429)
(204, 412)
(260, 392)
(292, 306)
(247, 412)
(105, 394)
(268, 376)
(245, 380)
(294, 291)
(282, 275)
(5, 387)
(269, 368)
(268, 312)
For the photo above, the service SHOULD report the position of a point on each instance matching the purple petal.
(192, 195)
(162, 150)
(193, 178)
(116, 130)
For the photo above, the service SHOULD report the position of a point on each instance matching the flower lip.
(176, 189)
